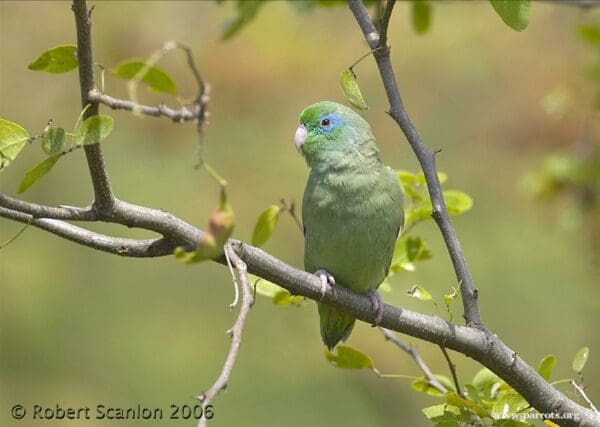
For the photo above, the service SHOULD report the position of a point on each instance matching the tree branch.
(425, 156)
(452, 367)
(178, 116)
(104, 199)
(235, 332)
(414, 353)
(114, 245)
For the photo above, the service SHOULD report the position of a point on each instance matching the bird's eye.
(325, 122)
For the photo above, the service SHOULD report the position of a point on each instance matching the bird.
(352, 210)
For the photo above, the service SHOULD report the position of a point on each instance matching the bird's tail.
(335, 325)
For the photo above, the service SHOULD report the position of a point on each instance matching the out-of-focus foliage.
(514, 13)
(573, 175)
(156, 78)
(57, 60)
(488, 399)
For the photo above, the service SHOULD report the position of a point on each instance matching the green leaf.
(472, 392)
(580, 359)
(457, 202)
(157, 79)
(514, 13)
(420, 293)
(284, 298)
(546, 366)
(94, 130)
(59, 59)
(422, 385)
(421, 16)
(246, 11)
(54, 141)
(409, 249)
(452, 398)
(265, 225)
(406, 177)
(590, 33)
(38, 172)
(349, 358)
(442, 413)
(351, 90)
(12, 140)
(448, 298)
(265, 288)
(508, 405)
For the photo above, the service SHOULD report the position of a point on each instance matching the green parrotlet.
(352, 209)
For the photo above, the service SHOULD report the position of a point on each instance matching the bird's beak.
(300, 137)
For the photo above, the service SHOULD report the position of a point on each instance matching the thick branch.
(425, 156)
(104, 198)
(114, 245)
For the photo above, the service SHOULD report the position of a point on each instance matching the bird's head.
(328, 128)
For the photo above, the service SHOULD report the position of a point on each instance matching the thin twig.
(385, 21)
(414, 353)
(425, 156)
(582, 394)
(236, 334)
(184, 114)
(452, 367)
(236, 286)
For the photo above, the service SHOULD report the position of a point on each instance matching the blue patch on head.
(329, 122)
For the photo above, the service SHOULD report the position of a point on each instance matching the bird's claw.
(377, 304)
(327, 279)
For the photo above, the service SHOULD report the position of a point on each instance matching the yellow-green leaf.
(59, 59)
(448, 298)
(351, 90)
(265, 225)
(422, 385)
(443, 415)
(54, 141)
(546, 366)
(452, 398)
(157, 79)
(12, 140)
(580, 359)
(508, 405)
(420, 293)
(514, 13)
(94, 129)
(284, 298)
(349, 358)
(421, 16)
(38, 172)
(457, 202)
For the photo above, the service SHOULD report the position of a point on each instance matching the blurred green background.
(80, 327)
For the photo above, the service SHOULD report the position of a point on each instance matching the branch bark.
(477, 343)
(103, 196)
(425, 156)
(235, 332)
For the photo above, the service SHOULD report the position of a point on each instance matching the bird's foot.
(327, 279)
(377, 304)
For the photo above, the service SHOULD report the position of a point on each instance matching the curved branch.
(114, 245)
(426, 157)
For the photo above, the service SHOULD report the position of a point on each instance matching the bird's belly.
(356, 250)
